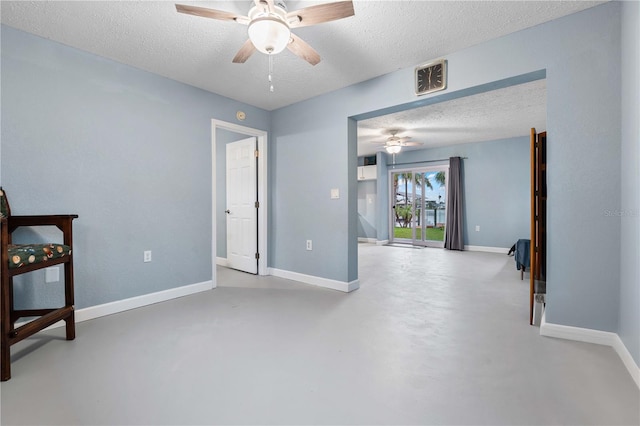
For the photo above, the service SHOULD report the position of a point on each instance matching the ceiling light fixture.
(393, 149)
(269, 34)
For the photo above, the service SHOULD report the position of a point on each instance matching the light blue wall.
(309, 161)
(496, 187)
(128, 151)
(367, 207)
(629, 327)
(312, 139)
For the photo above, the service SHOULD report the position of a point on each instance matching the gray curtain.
(454, 239)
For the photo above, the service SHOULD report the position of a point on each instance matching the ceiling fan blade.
(207, 13)
(245, 51)
(320, 13)
(402, 139)
(300, 48)
(412, 143)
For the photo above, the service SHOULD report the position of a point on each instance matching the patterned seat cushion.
(27, 254)
(4, 204)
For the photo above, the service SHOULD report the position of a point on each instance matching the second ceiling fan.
(394, 143)
(269, 25)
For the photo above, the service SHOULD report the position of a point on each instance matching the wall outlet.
(335, 193)
(309, 245)
(147, 256)
(52, 274)
(477, 228)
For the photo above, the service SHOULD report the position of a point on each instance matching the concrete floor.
(431, 337)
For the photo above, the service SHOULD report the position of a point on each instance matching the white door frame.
(261, 135)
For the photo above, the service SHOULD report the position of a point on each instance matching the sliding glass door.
(418, 206)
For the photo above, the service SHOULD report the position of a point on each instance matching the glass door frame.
(392, 203)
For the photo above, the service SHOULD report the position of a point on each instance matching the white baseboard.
(627, 359)
(221, 261)
(593, 336)
(92, 312)
(501, 250)
(373, 241)
(346, 287)
(367, 240)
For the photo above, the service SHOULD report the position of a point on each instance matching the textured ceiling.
(499, 114)
(382, 37)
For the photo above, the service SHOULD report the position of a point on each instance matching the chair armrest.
(40, 220)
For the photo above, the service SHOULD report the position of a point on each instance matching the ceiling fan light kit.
(268, 29)
(393, 149)
(269, 35)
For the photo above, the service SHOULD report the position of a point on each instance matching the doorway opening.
(218, 188)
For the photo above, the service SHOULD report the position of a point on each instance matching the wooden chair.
(18, 259)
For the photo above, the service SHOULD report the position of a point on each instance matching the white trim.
(627, 359)
(487, 249)
(93, 312)
(222, 261)
(346, 287)
(576, 333)
(382, 242)
(593, 336)
(262, 192)
(367, 240)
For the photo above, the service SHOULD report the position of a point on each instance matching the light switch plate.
(335, 193)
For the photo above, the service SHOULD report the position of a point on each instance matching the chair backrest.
(5, 211)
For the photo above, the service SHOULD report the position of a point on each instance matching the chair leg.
(71, 326)
(5, 358)
(69, 300)
(7, 325)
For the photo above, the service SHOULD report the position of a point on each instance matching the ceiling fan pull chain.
(270, 72)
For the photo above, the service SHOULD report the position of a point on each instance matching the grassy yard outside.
(433, 234)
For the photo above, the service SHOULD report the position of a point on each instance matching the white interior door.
(242, 212)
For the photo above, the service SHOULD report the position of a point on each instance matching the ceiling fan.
(394, 143)
(269, 25)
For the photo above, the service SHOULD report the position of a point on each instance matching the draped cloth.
(454, 239)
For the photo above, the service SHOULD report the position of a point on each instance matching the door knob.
(227, 211)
